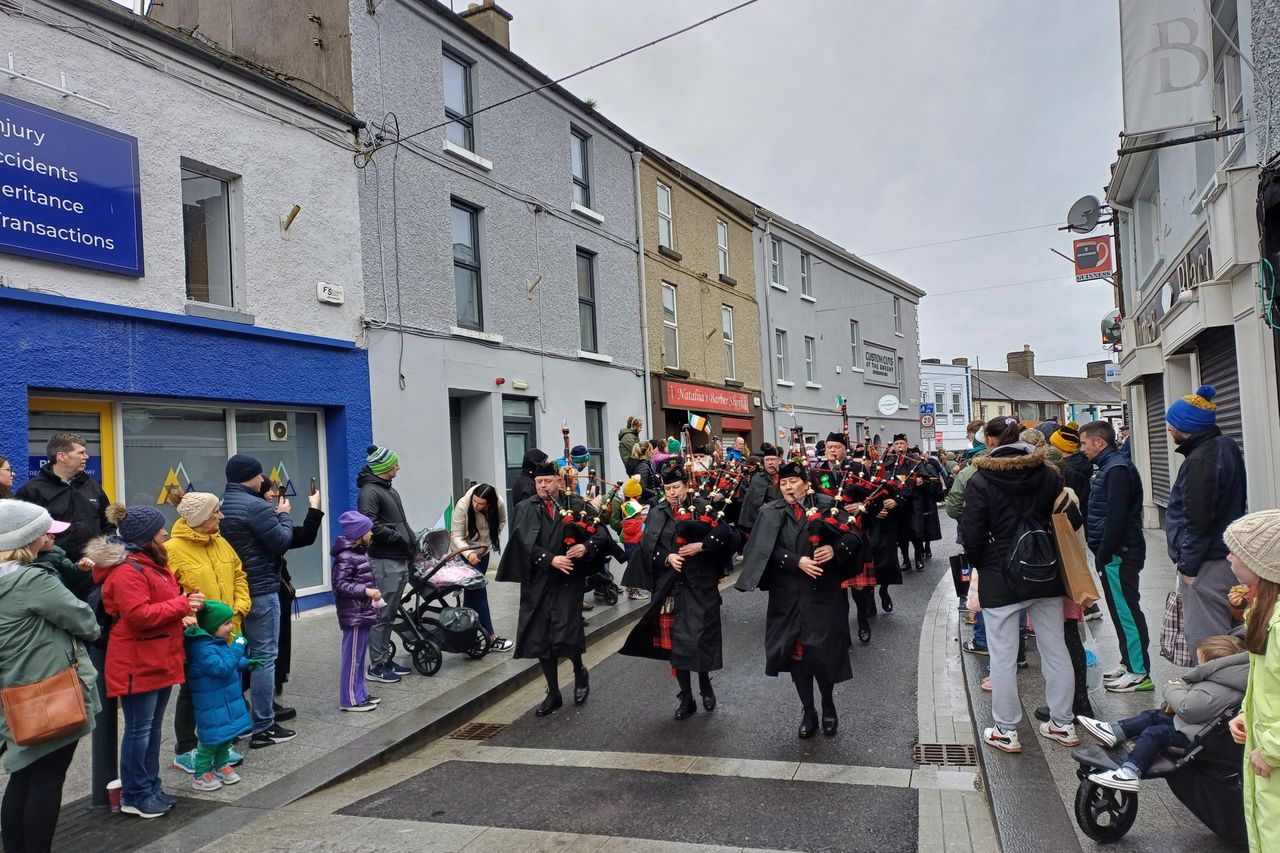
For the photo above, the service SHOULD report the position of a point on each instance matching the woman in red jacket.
(145, 656)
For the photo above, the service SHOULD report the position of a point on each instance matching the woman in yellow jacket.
(202, 561)
(1255, 558)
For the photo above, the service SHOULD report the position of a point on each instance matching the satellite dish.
(1084, 215)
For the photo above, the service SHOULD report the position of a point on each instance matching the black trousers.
(1075, 648)
(29, 813)
(184, 722)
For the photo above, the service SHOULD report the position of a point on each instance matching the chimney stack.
(960, 362)
(1096, 369)
(491, 19)
(1022, 362)
(931, 361)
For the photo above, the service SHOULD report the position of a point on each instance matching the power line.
(960, 239)
(560, 80)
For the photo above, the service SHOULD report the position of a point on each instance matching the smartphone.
(315, 485)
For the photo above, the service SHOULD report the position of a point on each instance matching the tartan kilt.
(865, 579)
(662, 631)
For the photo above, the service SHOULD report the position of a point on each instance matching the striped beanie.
(1066, 438)
(381, 459)
(1194, 412)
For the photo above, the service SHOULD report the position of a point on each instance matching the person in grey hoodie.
(1193, 702)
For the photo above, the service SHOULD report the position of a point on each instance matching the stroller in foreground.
(1206, 777)
(426, 622)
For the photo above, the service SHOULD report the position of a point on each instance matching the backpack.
(1033, 564)
(105, 620)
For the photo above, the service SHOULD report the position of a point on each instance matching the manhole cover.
(945, 754)
(477, 731)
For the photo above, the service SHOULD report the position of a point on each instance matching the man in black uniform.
(553, 547)
(762, 488)
(681, 559)
(807, 622)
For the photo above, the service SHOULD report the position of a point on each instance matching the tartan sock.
(803, 681)
(549, 673)
(682, 677)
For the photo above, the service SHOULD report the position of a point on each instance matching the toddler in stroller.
(427, 622)
(1184, 742)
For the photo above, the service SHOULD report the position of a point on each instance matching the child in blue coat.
(213, 675)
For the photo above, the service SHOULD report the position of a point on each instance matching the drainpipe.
(771, 400)
(644, 291)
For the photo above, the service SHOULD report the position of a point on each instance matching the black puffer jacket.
(393, 539)
(81, 502)
(1010, 483)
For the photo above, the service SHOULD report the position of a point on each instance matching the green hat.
(673, 445)
(381, 459)
(214, 614)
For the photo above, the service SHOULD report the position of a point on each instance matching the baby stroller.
(426, 622)
(1206, 777)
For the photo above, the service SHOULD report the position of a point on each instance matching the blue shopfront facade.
(163, 399)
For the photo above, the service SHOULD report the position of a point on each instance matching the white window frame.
(897, 315)
(666, 218)
(810, 359)
(806, 275)
(673, 325)
(726, 330)
(855, 345)
(584, 182)
(780, 344)
(235, 232)
(775, 263)
(722, 246)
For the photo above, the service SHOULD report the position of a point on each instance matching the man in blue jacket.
(1209, 494)
(260, 535)
(1113, 528)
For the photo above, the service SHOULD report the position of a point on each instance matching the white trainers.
(1121, 779)
(1113, 674)
(1065, 735)
(227, 775)
(1104, 732)
(1133, 682)
(1003, 741)
(206, 782)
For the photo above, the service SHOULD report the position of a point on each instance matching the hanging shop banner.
(682, 395)
(68, 190)
(881, 364)
(1093, 257)
(1166, 53)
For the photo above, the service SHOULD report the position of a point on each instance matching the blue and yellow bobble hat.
(1194, 412)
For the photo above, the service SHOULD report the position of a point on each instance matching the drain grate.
(477, 731)
(945, 754)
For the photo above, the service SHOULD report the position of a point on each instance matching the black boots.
(808, 724)
(687, 707)
(581, 686)
(864, 630)
(550, 705)
(708, 695)
(830, 722)
(886, 603)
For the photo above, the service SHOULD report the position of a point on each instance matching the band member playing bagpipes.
(805, 570)
(553, 546)
(762, 488)
(869, 495)
(687, 548)
(921, 491)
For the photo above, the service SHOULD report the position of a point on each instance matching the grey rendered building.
(833, 325)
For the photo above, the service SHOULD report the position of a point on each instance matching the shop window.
(207, 237)
(169, 448)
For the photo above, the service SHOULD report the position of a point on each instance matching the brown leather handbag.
(46, 709)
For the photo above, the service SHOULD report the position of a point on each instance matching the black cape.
(695, 633)
(814, 613)
(762, 489)
(550, 623)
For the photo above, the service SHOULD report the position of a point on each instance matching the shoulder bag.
(46, 709)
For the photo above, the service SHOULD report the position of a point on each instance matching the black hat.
(902, 436)
(545, 469)
(768, 449)
(674, 474)
(793, 469)
(837, 437)
(859, 450)
(242, 468)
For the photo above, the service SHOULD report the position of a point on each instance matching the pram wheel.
(481, 648)
(427, 658)
(1105, 814)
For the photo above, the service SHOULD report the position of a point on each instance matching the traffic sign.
(926, 421)
(926, 408)
(937, 437)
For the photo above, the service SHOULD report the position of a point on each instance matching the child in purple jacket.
(357, 600)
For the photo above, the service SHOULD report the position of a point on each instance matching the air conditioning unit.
(278, 430)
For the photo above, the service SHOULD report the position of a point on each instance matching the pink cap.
(59, 527)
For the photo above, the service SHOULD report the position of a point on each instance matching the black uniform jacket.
(762, 489)
(814, 613)
(550, 622)
(695, 632)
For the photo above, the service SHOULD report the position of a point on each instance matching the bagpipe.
(714, 489)
(828, 529)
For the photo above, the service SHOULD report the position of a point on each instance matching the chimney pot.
(490, 19)
(1022, 362)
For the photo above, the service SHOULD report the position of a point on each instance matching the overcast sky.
(880, 126)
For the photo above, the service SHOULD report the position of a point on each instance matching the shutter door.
(1217, 349)
(1157, 438)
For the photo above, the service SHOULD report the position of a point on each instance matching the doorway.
(519, 436)
(92, 419)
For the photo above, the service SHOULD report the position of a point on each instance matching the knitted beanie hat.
(1255, 539)
(673, 446)
(381, 459)
(1194, 412)
(354, 525)
(137, 524)
(213, 615)
(22, 523)
(242, 468)
(1032, 436)
(580, 454)
(1066, 438)
(631, 488)
(196, 507)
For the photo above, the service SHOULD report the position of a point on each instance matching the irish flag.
(699, 423)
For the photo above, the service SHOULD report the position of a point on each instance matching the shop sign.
(881, 364)
(93, 467)
(681, 395)
(1093, 257)
(736, 424)
(1193, 268)
(68, 190)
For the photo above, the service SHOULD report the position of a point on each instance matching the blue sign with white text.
(68, 190)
